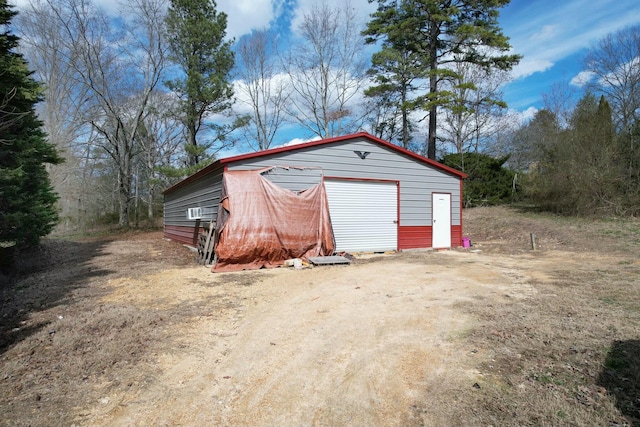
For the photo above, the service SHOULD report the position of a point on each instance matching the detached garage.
(380, 197)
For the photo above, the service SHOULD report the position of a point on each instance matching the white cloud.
(242, 15)
(529, 65)
(582, 78)
(246, 15)
(109, 6)
(547, 31)
(363, 9)
(526, 115)
(296, 141)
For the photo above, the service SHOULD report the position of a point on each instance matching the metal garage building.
(381, 197)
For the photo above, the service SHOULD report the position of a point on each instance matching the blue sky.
(552, 35)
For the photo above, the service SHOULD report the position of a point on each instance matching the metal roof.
(224, 161)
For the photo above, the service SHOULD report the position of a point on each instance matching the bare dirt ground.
(127, 330)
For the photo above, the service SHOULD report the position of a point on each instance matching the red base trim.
(456, 235)
(183, 234)
(413, 237)
(409, 237)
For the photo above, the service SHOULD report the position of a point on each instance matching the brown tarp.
(261, 224)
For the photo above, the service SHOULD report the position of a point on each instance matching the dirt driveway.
(144, 337)
(355, 345)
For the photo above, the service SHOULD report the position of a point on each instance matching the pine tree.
(438, 33)
(196, 32)
(27, 199)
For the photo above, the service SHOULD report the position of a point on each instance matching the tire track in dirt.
(357, 345)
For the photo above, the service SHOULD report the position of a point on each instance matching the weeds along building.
(380, 197)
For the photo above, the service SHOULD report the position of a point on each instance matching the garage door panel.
(363, 214)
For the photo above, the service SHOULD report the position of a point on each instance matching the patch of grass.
(241, 278)
(570, 355)
(609, 300)
(63, 347)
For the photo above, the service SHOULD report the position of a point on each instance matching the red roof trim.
(227, 160)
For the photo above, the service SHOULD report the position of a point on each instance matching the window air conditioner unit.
(194, 213)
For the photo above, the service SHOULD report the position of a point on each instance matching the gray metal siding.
(417, 180)
(293, 179)
(204, 193)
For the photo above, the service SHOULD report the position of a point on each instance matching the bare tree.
(119, 69)
(614, 64)
(474, 114)
(559, 100)
(161, 139)
(46, 48)
(385, 120)
(262, 87)
(326, 71)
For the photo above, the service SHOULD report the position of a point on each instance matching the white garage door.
(364, 215)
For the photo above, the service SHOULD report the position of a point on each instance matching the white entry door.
(441, 231)
(364, 214)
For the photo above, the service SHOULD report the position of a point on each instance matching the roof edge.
(193, 177)
(224, 161)
(366, 135)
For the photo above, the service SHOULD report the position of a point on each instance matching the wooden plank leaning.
(208, 246)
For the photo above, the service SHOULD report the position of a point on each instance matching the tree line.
(137, 101)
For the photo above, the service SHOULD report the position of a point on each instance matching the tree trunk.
(431, 144)
(124, 189)
(405, 118)
(123, 204)
(433, 89)
(192, 149)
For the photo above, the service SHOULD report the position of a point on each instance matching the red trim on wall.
(342, 139)
(456, 236)
(181, 233)
(413, 237)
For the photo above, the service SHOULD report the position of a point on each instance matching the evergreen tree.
(488, 182)
(27, 199)
(397, 70)
(441, 32)
(579, 172)
(196, 32)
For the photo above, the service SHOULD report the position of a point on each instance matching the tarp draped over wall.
(261, 224)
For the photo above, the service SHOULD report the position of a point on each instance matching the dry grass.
(508, 230)
(571, 355)
(60, 346)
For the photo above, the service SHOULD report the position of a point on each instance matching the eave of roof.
(224, 161)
